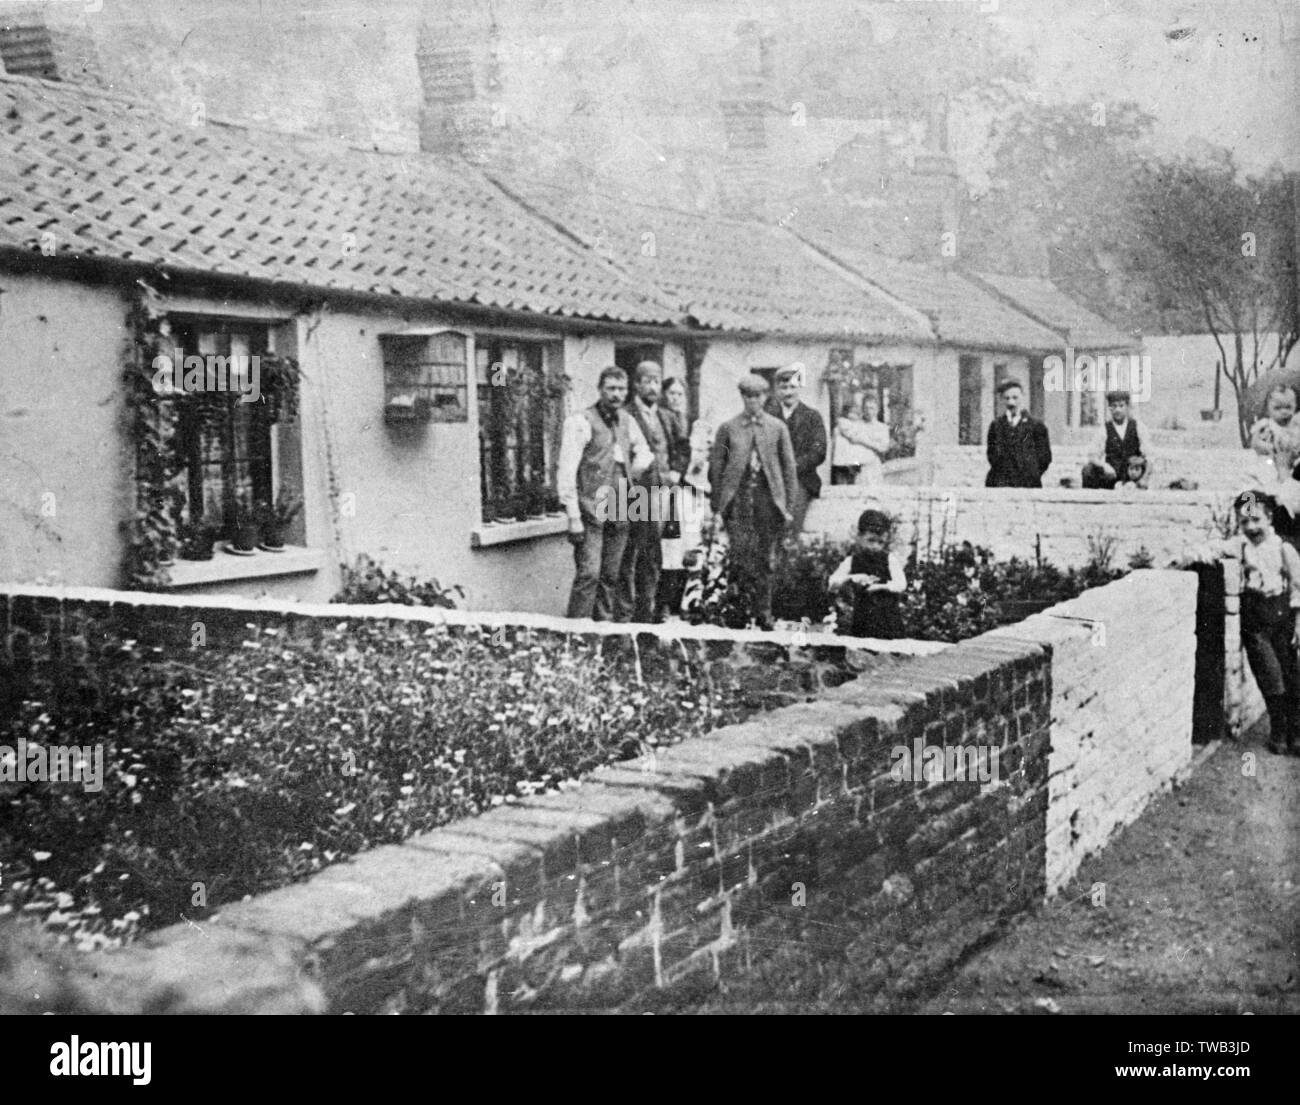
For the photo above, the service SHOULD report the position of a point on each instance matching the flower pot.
(198, 549)
(245, 539)
(272, 539)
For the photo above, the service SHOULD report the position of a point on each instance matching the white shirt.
(573, 443)
(1098, 456)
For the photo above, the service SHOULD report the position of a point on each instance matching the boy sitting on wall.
(1121, 440)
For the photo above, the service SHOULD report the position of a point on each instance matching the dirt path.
(1201, 914)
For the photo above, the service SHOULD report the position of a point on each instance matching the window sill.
(225, 567)
(503, 533)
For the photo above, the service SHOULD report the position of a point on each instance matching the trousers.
(598, 562)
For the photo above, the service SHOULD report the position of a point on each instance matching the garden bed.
(239, 771)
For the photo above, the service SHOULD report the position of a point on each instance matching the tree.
(1050, 205)
(1209, 238)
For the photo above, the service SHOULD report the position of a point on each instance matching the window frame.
(188, 331)
(527, 497)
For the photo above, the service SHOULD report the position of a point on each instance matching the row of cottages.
(434, 324)
(766, 296)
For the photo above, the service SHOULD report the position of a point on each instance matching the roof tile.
(89, 164)
(728, 274)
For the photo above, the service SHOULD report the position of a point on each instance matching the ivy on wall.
(151, 428)
(152, 414)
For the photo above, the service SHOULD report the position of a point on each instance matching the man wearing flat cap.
(807, 438)
(753, 476)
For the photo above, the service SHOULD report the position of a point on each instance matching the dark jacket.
(657, 431)
(1018, 455)
(730, 459)
(808, 438)
(679, 440)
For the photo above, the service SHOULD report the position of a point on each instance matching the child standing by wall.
(876, 578)
(1270, 613)
(1275, 440)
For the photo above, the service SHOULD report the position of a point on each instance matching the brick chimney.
(26, 45)
(32, 46)
(928, 195)
(460, 82)
(746, 105)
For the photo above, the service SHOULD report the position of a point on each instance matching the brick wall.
(1123, 663)
(648, 882)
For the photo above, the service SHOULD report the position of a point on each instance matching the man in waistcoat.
(643, 559)
(1122, 440)
(601, 452)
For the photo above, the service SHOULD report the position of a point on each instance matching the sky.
(1224, 73)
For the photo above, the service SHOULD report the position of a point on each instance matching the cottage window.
(227, 448)
(521, 412)
(970, 399)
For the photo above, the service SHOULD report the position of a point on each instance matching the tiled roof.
(1052, 307)
(962, 312)
(110, 179)
(727, 274)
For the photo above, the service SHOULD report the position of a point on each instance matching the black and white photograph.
(675, 507)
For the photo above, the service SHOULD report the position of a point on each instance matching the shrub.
(711, 597)
(369, 582)
(954, 592)
(268, 763)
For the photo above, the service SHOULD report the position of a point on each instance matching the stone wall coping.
(1074, 495)
(340, 612)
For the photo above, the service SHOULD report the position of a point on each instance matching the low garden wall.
(1057, 523)
(1210, 469)
(649, 881)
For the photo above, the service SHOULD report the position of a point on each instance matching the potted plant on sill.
(246, 531)
(198, 539)
(275, 518)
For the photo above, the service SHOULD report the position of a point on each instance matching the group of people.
(635, 480)
(1020, 448)
(758, 479)
(1267, 512)
(1268, 516)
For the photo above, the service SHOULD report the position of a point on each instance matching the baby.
(1137, 475)
(1277, 436)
